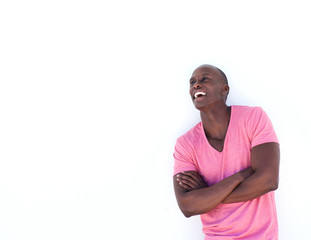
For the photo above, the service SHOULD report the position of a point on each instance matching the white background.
(93, 95)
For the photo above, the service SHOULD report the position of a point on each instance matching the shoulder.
(247, 112)
(192, 135)
(246, 109)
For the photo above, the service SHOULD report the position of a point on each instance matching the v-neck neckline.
(226, 136)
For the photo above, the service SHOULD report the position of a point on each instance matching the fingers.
(185, 181)
(185, 186)
(193, 174)
(190, 180)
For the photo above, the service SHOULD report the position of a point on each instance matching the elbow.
(187, 207)
(190, 210)
(267, 182)
(187, 215)
(187, 211)
(185, 202)
(273, 184)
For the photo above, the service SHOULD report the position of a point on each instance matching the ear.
(225, 92)
(225, 89)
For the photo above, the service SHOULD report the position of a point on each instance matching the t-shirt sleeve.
(260, 128)
(183, 159)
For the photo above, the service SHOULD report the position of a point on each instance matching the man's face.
(206, 87)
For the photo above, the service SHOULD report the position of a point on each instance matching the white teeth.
(199, 93)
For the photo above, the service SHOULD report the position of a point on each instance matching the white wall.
(94, 95)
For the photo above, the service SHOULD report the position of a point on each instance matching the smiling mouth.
(199, 94)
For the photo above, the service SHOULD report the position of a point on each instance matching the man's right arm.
(203, 200)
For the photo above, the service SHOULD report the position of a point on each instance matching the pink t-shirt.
(255, 219)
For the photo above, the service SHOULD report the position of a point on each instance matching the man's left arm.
(265, 161)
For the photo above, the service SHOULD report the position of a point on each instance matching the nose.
(196, 85)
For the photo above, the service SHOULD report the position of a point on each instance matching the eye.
(192, 82)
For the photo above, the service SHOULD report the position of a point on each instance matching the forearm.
(254, 186)
(265, 160)
(205, 199)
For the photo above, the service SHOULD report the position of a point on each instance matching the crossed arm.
(195, 197)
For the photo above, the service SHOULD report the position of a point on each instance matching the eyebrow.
(205, 74)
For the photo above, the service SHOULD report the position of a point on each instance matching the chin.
(199, 106)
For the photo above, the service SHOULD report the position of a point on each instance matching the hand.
(190, 180)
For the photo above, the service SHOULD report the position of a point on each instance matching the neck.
(216, 120)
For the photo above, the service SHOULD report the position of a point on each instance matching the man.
(226, 167)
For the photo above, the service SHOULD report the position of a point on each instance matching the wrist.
(246, 173)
